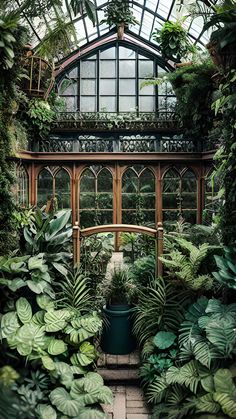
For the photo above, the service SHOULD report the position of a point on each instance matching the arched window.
(138, 197)
(54, 182)
(22, 186)
(111, 80)
(211, 200)
(62, 189)
(189, 197)
(179, 196)
(45, 187)
(96, 197)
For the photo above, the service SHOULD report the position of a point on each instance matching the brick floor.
(128, 403)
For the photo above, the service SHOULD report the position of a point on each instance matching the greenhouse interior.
(118, 209)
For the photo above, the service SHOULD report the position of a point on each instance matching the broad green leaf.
(48, 363)
(13, 284)
(56, 320)
(24, 310)
(45, 302)
(64, 402)
(9, 324)
(46, 412)
(38, 318)
(58, 223)
(33, 335)
(164, 340)
(56, 346)
(91, 413)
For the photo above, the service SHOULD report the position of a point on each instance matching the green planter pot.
(117, 337)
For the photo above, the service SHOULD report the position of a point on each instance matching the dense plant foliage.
(173, 41)
(48, 327)
(118, 11)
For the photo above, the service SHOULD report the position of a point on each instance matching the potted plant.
(118, 14)
(117, 338)
(173, 41)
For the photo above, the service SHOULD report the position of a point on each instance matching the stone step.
(130, 361)
(109, 374)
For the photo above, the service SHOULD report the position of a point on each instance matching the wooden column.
(160, 248)
(76, 243)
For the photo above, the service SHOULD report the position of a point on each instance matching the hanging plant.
(119, 14)
(173, 41)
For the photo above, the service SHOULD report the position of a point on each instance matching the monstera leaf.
(65, 403)
(24, 310)
(56, 320)
(83, 328)
(30, 337)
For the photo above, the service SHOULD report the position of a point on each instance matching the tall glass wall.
(111, 80)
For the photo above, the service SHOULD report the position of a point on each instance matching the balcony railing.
(107, 121)
(105, 143)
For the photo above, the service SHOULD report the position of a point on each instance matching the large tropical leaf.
(56, 346)
(24, 310)
(65, 403)
(56, 320)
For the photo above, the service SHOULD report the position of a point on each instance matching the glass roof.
(150, 14)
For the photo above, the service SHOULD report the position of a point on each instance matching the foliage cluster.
(117, 12)
(48, 326)
(173, 41)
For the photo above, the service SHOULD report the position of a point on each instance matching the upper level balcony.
(134, 132)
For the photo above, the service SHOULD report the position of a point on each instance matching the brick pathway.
(128, 403)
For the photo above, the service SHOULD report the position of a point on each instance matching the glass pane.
(189, 183)
(88, 69)
(129, 217)
(170, 216)
(189, 200)
(126, 53)
(129, 200)
(22, 187)
(107, 103)
(170, 200)
(45, 188)
(148, 201)
(73, 73)
(108, 69)
(127, 103)
(87, 218)
(108, 53)
(105, 200)
(107, 87)
(146, 90)
(147, 104)
(147, 182)
(87, 182)
(104, 217)
(105, 181)
(146, 68)
(130, 182)
(88, 87)
(127, 68)
(67, 87)
(171, 182)
(88, 104)
(87, 200)
(70, 103)
(127, 87)
(190, 216)
(62, 189)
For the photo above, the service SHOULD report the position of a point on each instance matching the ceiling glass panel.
(150, 14)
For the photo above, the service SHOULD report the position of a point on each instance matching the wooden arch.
(157, 234)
